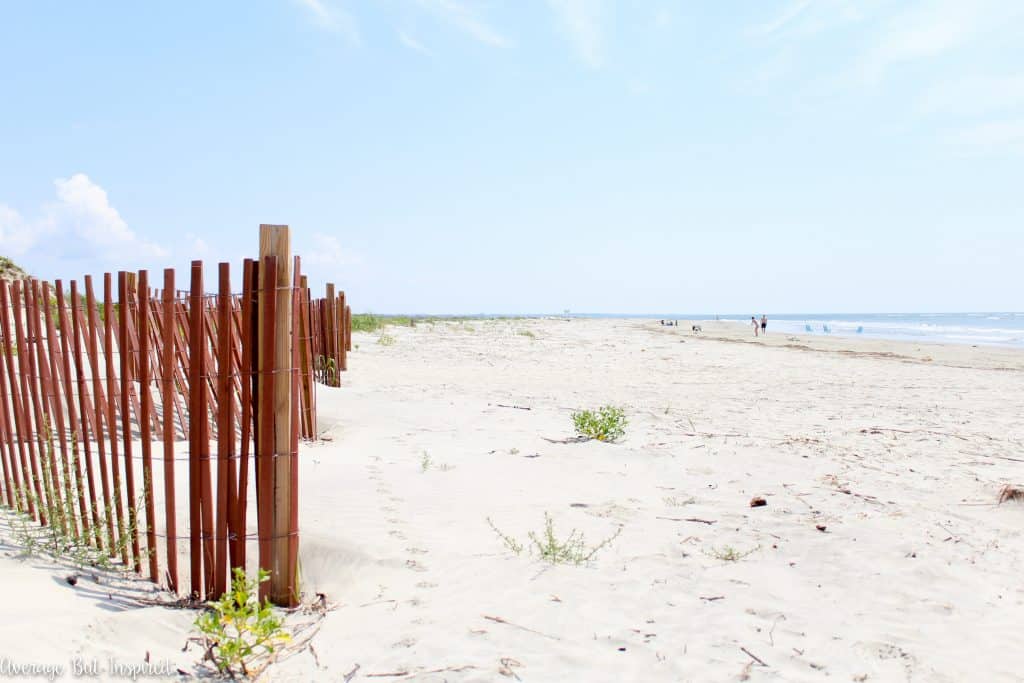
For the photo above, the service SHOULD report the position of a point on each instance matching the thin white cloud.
(933, 29)
(327, 251)
(974, 95)
(332, 17)
(580, 20)
(16, 236)
(81, 223)
(460, 16)
(663, 18)
(198, 247)
(992, 136)
(811, 17)
(786, 17)
(413, 44)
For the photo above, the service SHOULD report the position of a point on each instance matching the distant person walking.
(764, 324)
(753, 322)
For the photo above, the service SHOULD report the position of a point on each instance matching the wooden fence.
(216, 381)
(331, 336)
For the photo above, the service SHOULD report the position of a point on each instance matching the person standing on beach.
(753, 321)
(764, 324)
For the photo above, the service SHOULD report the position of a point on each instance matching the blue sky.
(460, 156)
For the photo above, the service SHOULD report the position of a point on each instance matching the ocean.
(995, 329)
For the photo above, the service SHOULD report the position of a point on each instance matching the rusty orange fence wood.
(330, 335)
(127, 426)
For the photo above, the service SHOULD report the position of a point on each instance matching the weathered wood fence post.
(274, 417)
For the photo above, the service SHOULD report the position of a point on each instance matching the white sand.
(898, 450)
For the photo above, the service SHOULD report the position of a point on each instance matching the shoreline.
(952, 354)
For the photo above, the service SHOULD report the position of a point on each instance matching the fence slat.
(126, 355)
(21, 474)
(84, 411)
(168, 367)
(56, 391)
(92, 352)
(146, 423)
(41, 373)
(113, 398)
(76, 431)
(225, 428)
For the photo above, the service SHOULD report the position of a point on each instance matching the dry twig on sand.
(753, 656)
(502, 405)
(688, 519)
(499, 620)
(1010, 492)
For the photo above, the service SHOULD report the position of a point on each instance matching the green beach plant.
(728, 553)
(237, 630)
(548, 547)
(607, 423)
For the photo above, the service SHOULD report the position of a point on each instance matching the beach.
(880, 553)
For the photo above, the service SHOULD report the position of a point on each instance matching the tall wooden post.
(348, 328)
(343, 344)
(331, 334)
(275, 240)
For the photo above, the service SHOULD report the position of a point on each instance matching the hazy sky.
(530, 155)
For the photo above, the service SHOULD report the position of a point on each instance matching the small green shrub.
(527, 333)
(547, 546)
(237, 631)
(327, 369)
(729, 554)
(512, 544)
(607, 423)
(386, 340)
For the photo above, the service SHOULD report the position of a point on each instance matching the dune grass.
(371, 322)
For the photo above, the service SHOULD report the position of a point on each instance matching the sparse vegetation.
(386, 340)
(678, 503)
(527, 333)
(548, 547)
(237, 631)
(512, 544)
(368, 322)
(327, 369)
(607, 423)
(426, 463)
(59, 539)
(729, 554)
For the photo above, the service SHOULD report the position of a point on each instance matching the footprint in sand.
(426, 584)
(415, 566)
(416, 551)
(397, 534)
(887, 652)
